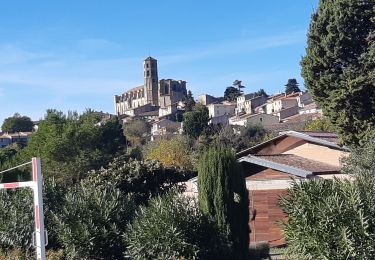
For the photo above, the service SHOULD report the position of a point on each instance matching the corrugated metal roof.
(292, 164)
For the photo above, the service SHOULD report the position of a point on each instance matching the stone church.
(157, 97)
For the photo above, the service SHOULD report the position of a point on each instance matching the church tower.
(150, 68)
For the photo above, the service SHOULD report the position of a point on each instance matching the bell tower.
(150, 69)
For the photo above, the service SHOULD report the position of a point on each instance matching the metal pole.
(38, 210)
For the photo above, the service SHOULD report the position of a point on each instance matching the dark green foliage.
(261, 92)
(223, 196)
(291, 86)
(17, 123)
(143, 179)
(72, 145)
(196, 121)
(339, 67)
(9, 151)
(189, 101)
(173, 227)
(90, 222)
(231, 93)
(333, 219)
(259, 250)
(238, 84)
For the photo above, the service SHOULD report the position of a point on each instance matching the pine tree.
(223, 196)
(291, 86)
(189, 101)
(338, 68)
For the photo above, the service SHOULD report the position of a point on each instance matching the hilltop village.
(162, 103)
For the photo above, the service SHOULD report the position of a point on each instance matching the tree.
(196, 121)
(240, 137)
(137, 131)
(339, 68)
(291, 86)
(17, 123)
(175, 151)
(231, 93)
(223, 196)
(72, 145)
(261, 92)
(189, 101)
(321, 125)
(238, 83)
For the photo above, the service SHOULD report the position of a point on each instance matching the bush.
(327, 219)
(17, 219)
(143, 179)
(334, 219)
(175, 151)
(172, 227)
(91, 221)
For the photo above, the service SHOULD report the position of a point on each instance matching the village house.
(270, 167)
(255, 119)
(247, 103)
(18, 137)
(208, 99)
(220, 113)
(278, 104)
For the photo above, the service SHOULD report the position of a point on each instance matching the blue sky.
(77, 54)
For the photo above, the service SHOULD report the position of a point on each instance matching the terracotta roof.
(303, 117)
(150, 113)
(310, 106)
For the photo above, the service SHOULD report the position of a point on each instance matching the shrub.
(17, 219)
(334, 219)
(172, 227)
(175, 151)
(143, 179)
(327, 220)
(91, 221)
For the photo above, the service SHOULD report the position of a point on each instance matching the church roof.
(135, 89)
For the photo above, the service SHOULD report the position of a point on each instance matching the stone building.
(153, 95)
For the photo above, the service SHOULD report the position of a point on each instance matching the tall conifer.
(339, 69)
(223, 196)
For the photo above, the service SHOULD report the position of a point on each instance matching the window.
(261, 119)
(148, 73)
(146, 65)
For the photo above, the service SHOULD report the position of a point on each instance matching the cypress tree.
(338, 68)
(223, 196)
